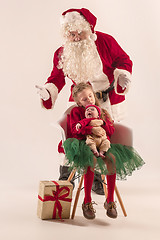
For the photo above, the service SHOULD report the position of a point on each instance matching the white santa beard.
(80, 60)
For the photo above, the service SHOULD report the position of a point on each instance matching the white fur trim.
(53, 90)
(118, 72)
(71, 17)
(106, 105)
(118, 111)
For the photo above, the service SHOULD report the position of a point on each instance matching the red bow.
(56, 198)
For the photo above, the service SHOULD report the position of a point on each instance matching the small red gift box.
(54, 199)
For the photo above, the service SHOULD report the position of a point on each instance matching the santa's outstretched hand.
(44, 94)
(123, 81)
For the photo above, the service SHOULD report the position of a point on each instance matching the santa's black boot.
(97, 186)
(64, 174)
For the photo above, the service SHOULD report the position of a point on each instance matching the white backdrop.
(30, 33)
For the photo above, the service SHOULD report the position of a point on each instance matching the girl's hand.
(78, 126)
(98, 131)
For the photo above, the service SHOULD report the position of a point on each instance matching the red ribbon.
(56, 198)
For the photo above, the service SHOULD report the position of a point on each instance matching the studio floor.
(141, 199)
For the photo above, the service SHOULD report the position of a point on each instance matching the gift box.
(54, 199)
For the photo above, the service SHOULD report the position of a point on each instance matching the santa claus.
(89, 56)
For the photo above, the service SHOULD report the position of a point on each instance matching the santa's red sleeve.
(121, 63)
(55, 82)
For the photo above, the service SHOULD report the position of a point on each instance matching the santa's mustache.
(79, 45)
(79, 59)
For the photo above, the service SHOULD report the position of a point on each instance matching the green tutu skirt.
(122, 159)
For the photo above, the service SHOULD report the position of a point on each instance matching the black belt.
(104, 94)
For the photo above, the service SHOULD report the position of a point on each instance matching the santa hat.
(98, 109)
(79, 20)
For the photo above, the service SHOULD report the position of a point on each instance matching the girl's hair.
(79, 88)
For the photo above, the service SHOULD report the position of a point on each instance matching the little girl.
(119, 160)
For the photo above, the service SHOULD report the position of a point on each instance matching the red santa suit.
(114, 61)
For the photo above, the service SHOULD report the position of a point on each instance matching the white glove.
(123, 81)
(44, 94)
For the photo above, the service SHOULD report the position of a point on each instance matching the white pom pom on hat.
(93, 36)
